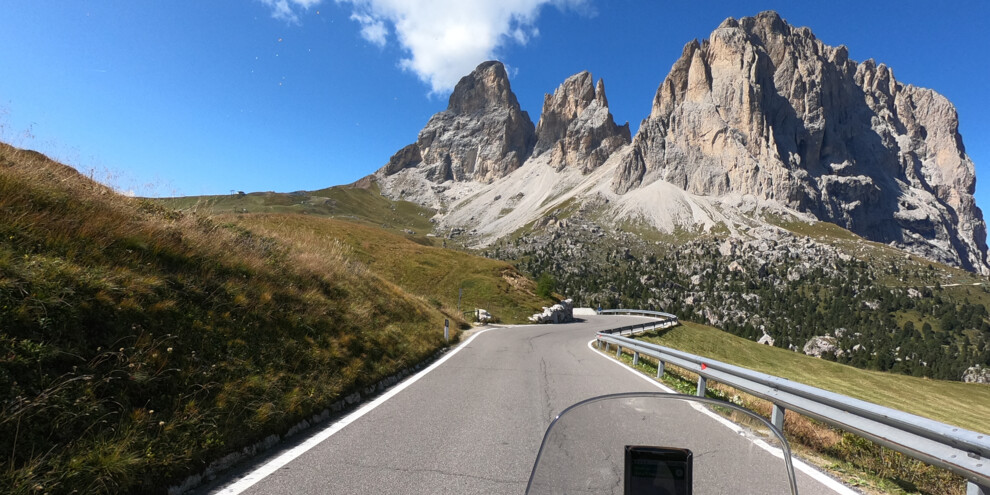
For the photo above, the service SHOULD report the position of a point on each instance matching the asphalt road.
(475, 423)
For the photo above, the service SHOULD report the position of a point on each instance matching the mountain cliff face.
(576, 127)
(765, 109)
(482, 136)
(761, 113)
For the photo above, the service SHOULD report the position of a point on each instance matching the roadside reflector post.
(659, 369)
(635, 358)
(702, 385)
(777, 418)
(446, 330)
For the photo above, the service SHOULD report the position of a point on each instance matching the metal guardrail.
(640, 328)
(663, 320)
(641, 312)
(961, 451)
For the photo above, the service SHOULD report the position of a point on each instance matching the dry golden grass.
(433, 273)
(139, 342)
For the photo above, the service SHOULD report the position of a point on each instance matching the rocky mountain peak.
(562, 107)
(600, 93)
(482, 136)
(486, 88)
(576, 126)
(765, 109)
(761, 117)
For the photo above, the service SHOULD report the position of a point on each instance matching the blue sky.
(189, 97)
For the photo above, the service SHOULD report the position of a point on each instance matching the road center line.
(288, 456)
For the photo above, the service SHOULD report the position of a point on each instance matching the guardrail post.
(974, 489)
(702, 385)
(777, 418)
(635, 358)
(598, 344)
(606, 346)
(659, 369)
(618, 351)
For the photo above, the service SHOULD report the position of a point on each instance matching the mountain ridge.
(760, 117)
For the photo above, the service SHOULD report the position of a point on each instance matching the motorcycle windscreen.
(661, 439)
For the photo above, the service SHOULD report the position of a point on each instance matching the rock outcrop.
(576, 127)
(821, 345)
(765, 109)
(562, 312)
(482, 136)
(976, 374)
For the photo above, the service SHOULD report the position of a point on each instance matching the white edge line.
(288, 456)
(800, 465)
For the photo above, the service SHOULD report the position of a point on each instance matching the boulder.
(562, 312)
(820, 345)
(976, 374)
(482, 316)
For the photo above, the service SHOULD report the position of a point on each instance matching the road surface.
(471, 425)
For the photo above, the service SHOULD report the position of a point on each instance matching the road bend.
(472, 425)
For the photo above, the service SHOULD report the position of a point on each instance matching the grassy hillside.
(360, 204)
(912, 270)
(961, 404)
(434, 273)
(139, 343)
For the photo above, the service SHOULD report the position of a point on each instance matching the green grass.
(858, 462)
(962, 404)
(361, 204)
(879, 254)
(818, 230)
(566, 209)
(138, 343)
(975, 294)
(647, 232)
(435, 274)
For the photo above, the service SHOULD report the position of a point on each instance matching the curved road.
(472, 425)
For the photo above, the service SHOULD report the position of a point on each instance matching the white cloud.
(372, 29)
(446, 39)
(286, 10)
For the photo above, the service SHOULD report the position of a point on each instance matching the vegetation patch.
(447, 278)
(364, 205)
(962, 404)
(139, 343)
(857, 461)
(876, 307)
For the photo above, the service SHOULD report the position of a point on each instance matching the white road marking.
(288, 456)
(800, 465)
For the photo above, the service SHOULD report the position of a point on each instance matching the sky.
(193, 97)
